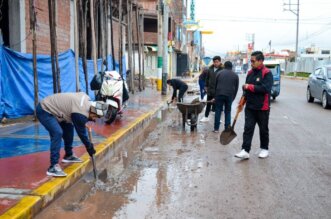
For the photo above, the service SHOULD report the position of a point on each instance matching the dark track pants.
(181, 93)
(210, 106)
(261, 117)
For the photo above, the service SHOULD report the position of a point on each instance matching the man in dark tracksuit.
(227, 83)
(210, 85)
(257, 89)
(177, 85)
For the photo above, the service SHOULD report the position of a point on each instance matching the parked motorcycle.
(111, 92)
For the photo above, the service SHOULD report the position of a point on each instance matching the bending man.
(60, 114)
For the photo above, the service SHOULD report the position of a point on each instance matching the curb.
(39, 198)
(295, 78)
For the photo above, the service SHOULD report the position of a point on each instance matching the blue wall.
(16, 79)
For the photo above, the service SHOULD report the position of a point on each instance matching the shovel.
(92, 157)
(229, 134)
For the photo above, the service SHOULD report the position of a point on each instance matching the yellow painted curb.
(23, 209)
(47, 191)
(159, 84)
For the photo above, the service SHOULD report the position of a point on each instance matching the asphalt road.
(179, 174)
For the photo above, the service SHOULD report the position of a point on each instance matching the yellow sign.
(207, 32)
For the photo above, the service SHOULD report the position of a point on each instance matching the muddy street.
(166, 172)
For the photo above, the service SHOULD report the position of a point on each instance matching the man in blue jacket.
(257, 89)
(60, 114)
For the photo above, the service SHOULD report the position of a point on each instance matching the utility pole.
(33, 20)
(159, 45)
(165, 48)
(296, 12)
(76, 45)
(94, 52)
(120, 51)
(129, 40)
(139, 46)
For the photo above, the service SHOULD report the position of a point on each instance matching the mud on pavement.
(166, 172)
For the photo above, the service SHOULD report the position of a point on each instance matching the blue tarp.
(16, 79)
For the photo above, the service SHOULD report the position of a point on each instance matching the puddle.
(133, 178)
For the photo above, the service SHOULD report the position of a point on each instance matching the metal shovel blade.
(227, 136)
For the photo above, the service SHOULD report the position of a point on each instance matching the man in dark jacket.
(257, 89)
(227, 83)
(211, 84)
(177, 85)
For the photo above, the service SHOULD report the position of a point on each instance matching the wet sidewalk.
(24, 156)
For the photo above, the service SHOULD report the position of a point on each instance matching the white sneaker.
(263, 153)
(56, 171)
(242, 154)
(204, 119)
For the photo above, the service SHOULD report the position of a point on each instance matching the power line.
(310, 36)
(266, 20)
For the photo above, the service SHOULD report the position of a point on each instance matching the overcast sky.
(232, 20)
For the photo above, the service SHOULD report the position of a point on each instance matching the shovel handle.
(89, 130)
(240, 107)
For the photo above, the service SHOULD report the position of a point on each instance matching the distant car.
(319, 86)
(274, 67)
(238, 69)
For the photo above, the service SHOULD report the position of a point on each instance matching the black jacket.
(211, 80)
(177, 85)
(258, 93)
(227, 83)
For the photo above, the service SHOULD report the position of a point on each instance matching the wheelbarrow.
(190, 111)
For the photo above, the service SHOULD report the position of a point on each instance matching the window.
(273, 69)
(328, 73)
(317, 71)
(321, 73)
(325, 52)
(150, 25)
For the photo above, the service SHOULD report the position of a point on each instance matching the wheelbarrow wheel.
(184, 120)
(194, 120)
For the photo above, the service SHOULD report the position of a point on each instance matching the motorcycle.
(111, 92)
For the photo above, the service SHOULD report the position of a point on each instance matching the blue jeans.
(202, 88)
(57, 131)
(221, 101)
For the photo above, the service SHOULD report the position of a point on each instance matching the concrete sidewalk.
(24, 157)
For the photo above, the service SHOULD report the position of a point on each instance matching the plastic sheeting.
(16, 79)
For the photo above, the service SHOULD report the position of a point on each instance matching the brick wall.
(42, 31)
(150, 38)
(149, 5)
(116, 29)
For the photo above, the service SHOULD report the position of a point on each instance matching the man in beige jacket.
(60, 114)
